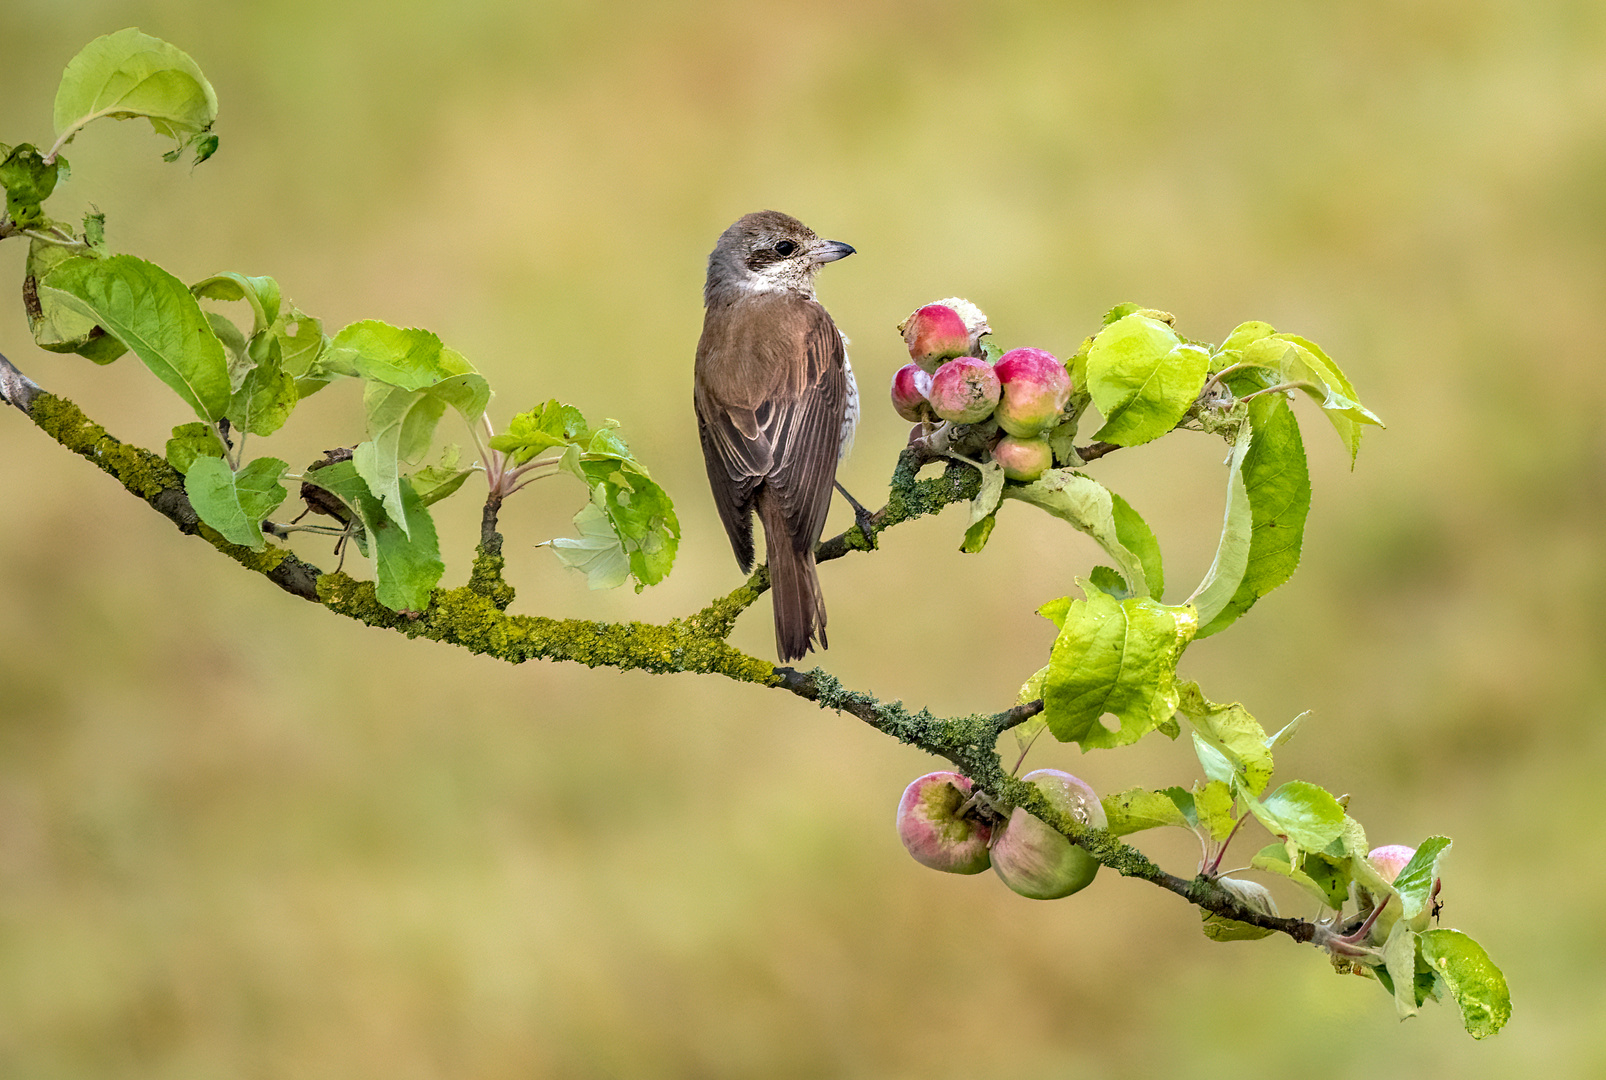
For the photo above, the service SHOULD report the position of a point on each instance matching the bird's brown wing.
(770, 393)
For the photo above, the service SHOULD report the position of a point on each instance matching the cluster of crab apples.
(949, 826)
(1024, 391)
(946, 824)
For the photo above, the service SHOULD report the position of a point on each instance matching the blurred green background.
(241, 838)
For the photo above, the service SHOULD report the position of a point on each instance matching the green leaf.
(401, 425)
(1136, 536)
(266, 395)
(1477, 985)
(191, 441)
(153, 313)
(530, 433)
(1090, 508)
(1114, 656)
(1232, 730)
(1276, 482)
(262, 293)
(404, 357)
(58, 327)
(436, 482)
(1293, 359)
(1109, 581)
(1137, 809)
(1212, 804)
(1414, 883)
(1301, 811)
(130, 74)
(1212, 761)
(1399, 959)
(1182, 799)
(1143, 378)
(1226, 571)
(977, 534)
(641, 514)
(598, 553)
(1273, 858)
(302, 349)
(234, 503)
(1288, 731)
(407, 562)
(28, 181)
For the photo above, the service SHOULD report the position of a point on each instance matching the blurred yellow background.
(239, 837)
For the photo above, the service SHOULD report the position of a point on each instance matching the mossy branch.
(474, 617)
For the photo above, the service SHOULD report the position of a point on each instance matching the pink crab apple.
(931, 828)
(935, 333)
(911, 387)
(965, 390)
(1039, 862)
(1023, 459)
(1036, 387)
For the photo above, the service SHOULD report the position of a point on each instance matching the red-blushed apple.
(930, 826)
(935, 333)
(910, 386)
(1023, 459)
(964, 391)
(1039, 862)
(1036, 388)
(975, 321)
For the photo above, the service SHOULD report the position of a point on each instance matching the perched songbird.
(776, 407)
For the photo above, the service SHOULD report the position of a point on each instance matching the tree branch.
(473, 617)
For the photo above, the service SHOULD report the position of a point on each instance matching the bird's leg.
(863, 517)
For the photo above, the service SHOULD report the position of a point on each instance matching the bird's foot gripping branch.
(1002, 424)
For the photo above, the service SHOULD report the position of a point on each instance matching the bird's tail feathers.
(794, 588)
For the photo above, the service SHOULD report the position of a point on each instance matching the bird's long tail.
(794, 586)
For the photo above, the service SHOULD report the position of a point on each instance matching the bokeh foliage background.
(241, 838)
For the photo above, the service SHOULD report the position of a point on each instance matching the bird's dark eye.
(785, 248)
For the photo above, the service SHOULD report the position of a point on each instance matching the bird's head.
(768, 252)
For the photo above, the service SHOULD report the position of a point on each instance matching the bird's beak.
(829, 251)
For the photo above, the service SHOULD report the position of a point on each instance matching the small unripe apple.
(1390, 859)
(910, 386)
(1023, 459)
(965, 390)
(1036, 388)
(1039, 862)
(930, 826)
(935, 333)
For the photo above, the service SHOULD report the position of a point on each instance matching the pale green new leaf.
(435, 482)
(1143, 378)
(1477, 985)
(1118, 657)
(234, 503)
(1090, 508)
(401, 424)
(129, 74)
(1214, 763)
(1292, 359)
(598, 553)
(153, 313)
(547, 426)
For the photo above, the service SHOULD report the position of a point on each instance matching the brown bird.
(776, 407)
